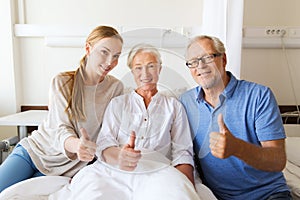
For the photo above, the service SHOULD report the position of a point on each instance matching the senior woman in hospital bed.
(144, 147)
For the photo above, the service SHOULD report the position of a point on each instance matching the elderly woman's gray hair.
(143, 48)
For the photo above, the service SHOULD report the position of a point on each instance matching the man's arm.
(270, 156)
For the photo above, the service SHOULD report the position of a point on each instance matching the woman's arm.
(187, 170)
(82, 148)
(126, 158)
(182, 147)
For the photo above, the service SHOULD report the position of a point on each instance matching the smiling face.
(208, 75)
(145, 69)
(102, 58)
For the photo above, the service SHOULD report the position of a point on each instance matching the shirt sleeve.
(268, 120)
(59, 123)
(182, 145)
(110, 127)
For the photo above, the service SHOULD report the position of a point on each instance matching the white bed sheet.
(109, 183)
(37, 188)
(41, 187)
(293, 179)
(292, 169)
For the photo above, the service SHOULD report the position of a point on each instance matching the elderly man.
(239, 139)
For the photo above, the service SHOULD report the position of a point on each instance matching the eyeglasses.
(150, 67)
(204, 59)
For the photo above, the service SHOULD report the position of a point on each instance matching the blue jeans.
(17, 167)
(281, 196)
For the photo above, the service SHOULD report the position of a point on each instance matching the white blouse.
(163, 127)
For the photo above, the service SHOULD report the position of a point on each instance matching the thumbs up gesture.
(86, 148)
(222, 143)
(128, 156)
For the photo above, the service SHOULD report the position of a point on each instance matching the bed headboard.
(290, 114)
(33, 107)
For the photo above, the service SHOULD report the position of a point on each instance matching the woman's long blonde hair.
(75, 107)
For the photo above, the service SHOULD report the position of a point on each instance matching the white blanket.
(58, 187)
(101, 181)
(292, 169)
(35, 188)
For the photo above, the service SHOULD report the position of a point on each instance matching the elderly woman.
(144, 142)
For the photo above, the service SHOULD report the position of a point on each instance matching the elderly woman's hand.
(128, 157)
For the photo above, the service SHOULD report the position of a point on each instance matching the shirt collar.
(156, 96)
(230, 88)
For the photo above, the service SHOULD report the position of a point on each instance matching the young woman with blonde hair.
(66, 141)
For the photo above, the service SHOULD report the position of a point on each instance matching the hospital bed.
(292, 169)
(6, 146)
(31, 118)
(39, 188)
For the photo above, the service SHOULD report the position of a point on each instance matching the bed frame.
(7, 144)
(290, 114)
(33, 107)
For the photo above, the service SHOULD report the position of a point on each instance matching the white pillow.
(292, 180)
(293, 149)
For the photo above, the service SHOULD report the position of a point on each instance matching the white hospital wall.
(26, 73)
(7, 73)
(37, 63)
(269, 66)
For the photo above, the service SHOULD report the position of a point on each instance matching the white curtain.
(224, 19)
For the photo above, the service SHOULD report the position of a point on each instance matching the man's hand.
(222, 143)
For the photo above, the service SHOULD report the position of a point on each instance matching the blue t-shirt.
(251, 113)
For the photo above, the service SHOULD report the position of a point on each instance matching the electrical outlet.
(294, 32)
(275, 31)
